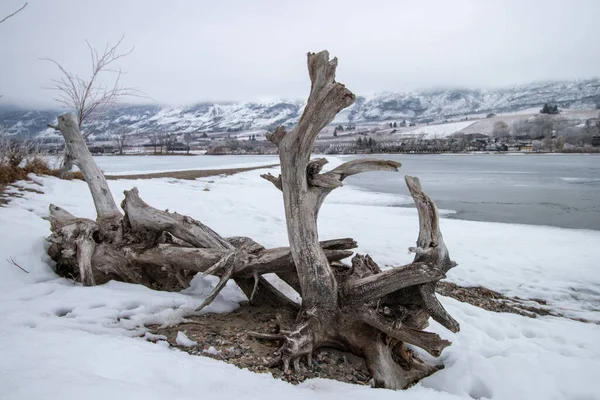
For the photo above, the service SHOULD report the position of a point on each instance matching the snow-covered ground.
(486, 125)
(64, 341)
(438, 131)
(129, 165)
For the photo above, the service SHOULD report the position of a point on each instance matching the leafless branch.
(122, 139)
(13, 14)
(88, 96)
(14, 262)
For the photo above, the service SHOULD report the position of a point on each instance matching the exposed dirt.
(490, 300)
(226, 337)
(5, 197)
(189, 174)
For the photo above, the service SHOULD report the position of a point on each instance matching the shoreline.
(495, 153)
(188, 174)
(505, 153)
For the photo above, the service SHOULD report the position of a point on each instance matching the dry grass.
(35, 165)
(10, 174)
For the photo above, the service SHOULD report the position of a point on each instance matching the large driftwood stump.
(358, 308)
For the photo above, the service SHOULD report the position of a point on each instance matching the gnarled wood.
(142, 217)
(431, 249)
(274, 260)
(326, 99)
(428, 341)
(359, 308)
(377, 286)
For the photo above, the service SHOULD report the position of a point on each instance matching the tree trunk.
(357, 308)
(106, 208)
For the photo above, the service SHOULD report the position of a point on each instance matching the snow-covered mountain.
(429, 105)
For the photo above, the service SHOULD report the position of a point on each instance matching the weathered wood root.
(356, 308)
(156, 248)
(380, 312)
(162, 255)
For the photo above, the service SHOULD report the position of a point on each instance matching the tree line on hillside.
(542, 133)
(551, 132)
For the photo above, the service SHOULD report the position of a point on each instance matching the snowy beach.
(69, 339)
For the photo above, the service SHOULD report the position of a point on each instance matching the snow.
(439, 131)
(126, 165)
(212, 351)
(185, 341)
(265, 115)
(579, 180)
(63, 340)
(130, 165)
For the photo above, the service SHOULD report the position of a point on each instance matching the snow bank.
(62, 340)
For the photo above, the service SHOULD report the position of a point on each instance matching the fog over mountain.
(428, 105)
(234, 50)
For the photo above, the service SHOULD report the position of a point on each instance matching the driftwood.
(358, 308)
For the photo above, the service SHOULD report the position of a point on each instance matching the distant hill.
(423, 106)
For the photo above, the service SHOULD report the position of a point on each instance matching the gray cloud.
(187, 51)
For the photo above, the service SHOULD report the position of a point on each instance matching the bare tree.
(521, 128)
(89, 96)
(500, 129)
(548, 143)
(154, 139)
(233, 144)
(163, 138)
(357, 308)
(13, 153)
(122, 139)
(188, 139)
(542, 126)
(170, 141)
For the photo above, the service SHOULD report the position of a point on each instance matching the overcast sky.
(189, 51)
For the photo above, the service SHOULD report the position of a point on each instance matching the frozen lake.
(554, 190)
